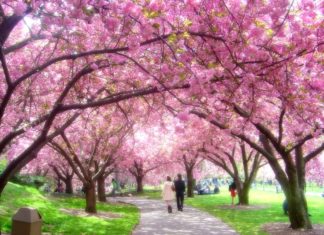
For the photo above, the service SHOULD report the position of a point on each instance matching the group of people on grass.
(176, 190)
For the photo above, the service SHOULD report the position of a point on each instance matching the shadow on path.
(156, 221)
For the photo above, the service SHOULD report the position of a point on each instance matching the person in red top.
(232, 189)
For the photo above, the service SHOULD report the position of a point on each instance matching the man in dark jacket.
(180, 189)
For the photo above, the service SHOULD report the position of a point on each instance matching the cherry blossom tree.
(64, 66)
(253, 69)
(191, 134)
(91, 148)
(242, 167)
(258, 77)
(144, 158)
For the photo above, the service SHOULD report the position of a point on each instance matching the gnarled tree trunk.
(297, 209)
(292, 182)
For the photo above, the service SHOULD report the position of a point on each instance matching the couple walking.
(172, 190)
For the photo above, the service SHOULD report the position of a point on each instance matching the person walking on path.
(168, 193)
(232, 189)
(180, 188)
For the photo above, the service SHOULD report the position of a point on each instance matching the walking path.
(156, 221)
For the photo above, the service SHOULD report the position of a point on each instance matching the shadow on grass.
(56, 222)
(248, 222)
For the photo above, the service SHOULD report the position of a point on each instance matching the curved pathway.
(156, 221)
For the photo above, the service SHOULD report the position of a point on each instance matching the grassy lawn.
(56, 222)
(248, 222)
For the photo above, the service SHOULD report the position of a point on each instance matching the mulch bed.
(241, 207)
(82, 213)
(283, 229)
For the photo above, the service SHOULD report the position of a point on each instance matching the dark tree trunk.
(68, 185)
(101, 189)
(295, 195)
(293, 185)
(190, 184)
(297, 209)
(139, 186)
(243, 195)
(90, 194)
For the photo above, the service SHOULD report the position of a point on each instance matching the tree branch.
(314, 153)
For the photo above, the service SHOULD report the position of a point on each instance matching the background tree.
(91, 149)
(241, 164)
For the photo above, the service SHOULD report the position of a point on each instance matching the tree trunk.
(243, 195)
(190, 184)
(16, 165)
(295, 195)
(101, 189)
(297, 208)
(139, 187)
(68, 185)
(90, 194)
(290, 184)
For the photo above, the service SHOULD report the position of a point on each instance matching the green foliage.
(56, 222)
(29, 180)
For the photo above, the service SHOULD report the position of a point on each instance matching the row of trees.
(251, 69)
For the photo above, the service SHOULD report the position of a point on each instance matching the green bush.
(29, 180)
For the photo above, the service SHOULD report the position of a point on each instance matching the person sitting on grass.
(232, 189)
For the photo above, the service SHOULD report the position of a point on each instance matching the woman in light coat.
(168, 193)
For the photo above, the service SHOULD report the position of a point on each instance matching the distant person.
(114, 187)
(180, 188)
(168, 193)
(285, 207)
(59, 188)
(232, 189)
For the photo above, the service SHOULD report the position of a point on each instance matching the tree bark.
(243, 194)
(14, 167)
(139, 186)
(190, 183)
(68, 185)
(101, 189)
(297, 209)
(90, 194)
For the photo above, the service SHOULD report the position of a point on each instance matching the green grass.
(249, 222)
(150, 194)
(56, 222)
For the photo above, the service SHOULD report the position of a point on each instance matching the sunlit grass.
(56, 222)
(248, 222)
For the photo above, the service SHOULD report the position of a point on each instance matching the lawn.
(56, 222)
(248, 222)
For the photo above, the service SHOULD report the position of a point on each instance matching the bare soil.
(283, 229)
